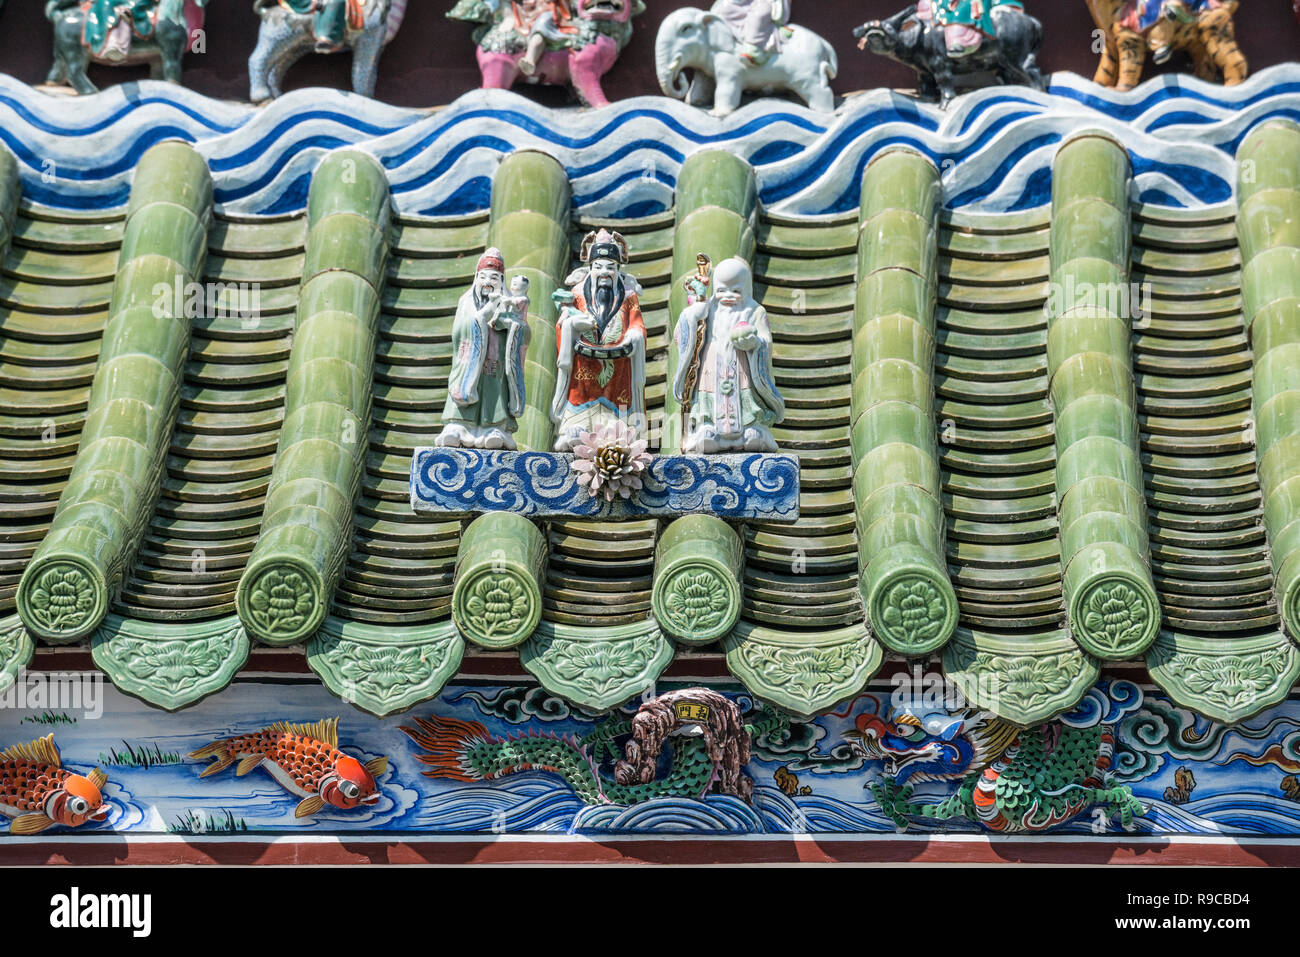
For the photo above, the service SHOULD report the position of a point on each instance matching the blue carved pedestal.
(747, 485)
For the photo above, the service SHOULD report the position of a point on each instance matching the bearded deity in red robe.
(600, 341)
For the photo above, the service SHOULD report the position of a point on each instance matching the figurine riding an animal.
(122, 33)
(293, 28)
(949, 47)
(723, 63)
(1203, 28)
(552, 42)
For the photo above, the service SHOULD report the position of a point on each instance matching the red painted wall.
(431, 61)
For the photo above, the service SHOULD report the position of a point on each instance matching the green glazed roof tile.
(800, 640)
(597, 668)
(805, 672)
(16, 649)
(1225, 680)
(384, 669)
(170, 666)
(1026, 680)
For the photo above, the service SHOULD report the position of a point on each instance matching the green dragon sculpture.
(710, 748)
(1012, 780)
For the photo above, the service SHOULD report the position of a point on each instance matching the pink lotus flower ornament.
(610, 461)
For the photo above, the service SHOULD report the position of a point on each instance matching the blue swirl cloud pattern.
(994, 146)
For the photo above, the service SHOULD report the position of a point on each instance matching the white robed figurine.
(489, 338)
(724, 371)
(756, 24)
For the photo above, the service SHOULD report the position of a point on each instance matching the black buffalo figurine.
(1009, 56)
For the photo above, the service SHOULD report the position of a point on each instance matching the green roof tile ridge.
(531, 199)
(69, 583)
(1112, 605)
(11, 191)
(384, 669)
(1268, 230)
(170, 665)
(289, 581)
(699, 559)
(903, 574)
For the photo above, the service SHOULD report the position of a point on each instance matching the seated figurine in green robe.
(965, 23)
(109, 24)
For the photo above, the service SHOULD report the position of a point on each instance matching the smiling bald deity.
(724, 378)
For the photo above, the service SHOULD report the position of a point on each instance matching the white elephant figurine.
(702, 42)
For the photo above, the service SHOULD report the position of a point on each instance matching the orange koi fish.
(37, 792)
(305, 759)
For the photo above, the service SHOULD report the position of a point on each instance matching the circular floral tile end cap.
(280, 602)
(914, 612)
(1115, 616)
(496, 607)
(62, 599)
(697, 603)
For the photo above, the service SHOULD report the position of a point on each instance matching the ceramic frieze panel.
(543, 485)
(807, 165)
(508, 757)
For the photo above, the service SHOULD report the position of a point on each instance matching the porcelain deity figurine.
(756, 24)
(122, 33)
(724, 376)
(1204, 28)
(291, 29)
(697, 283)
(952, 43)
(489, 338)
(741, 45)
(965, 23)
(600, 342)
(555, 42)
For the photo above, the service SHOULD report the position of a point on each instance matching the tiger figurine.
(1204, 28)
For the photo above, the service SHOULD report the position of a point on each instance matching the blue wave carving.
(540, 484)
(994, 146)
